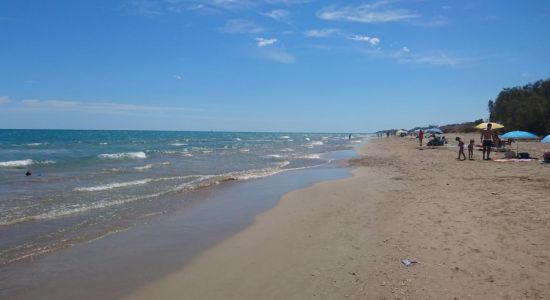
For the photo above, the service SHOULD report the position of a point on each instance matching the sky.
(266, 65)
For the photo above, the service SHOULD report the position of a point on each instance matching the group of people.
(434, 140)
(488, 139)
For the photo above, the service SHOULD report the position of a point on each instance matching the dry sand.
(478, 229)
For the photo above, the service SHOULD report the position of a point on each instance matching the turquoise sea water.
(86, 184)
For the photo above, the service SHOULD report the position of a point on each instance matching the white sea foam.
(124, 155)
(36, 144)
(103, 143)
(287, 150)
(284, 137)
(238, 139)
(197, 182)
(274, 156)
(16, 163)
(312, 156)
(317, 143)
(113, 170)
(142, 168)
(178, 144)
(307, 139)
(284, 164)
(113, 185)
(244, 150)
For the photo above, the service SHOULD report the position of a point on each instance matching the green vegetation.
(523, 108)
(461, 127)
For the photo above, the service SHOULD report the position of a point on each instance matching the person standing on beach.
(420, 136)
(487, 139)
(460, 149)
(471, 150)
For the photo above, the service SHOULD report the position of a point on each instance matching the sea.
(59, 188)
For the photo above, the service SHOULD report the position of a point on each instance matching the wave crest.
(16, 163)
(123, 155)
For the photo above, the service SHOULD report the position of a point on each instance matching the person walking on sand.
(487, 139)
(420, 136)
(460, 149)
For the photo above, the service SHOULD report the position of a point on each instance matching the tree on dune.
(523, 108)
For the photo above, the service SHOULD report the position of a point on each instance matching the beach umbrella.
(434, 130)
(546, 139)
(400, 131)
(494, 125)
(518, 135)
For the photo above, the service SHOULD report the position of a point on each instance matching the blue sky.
(267, 65)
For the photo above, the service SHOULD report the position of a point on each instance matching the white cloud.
(148, 8)
(178, 77)
(406, 57)
(288, 2)
(436, 59)
(377, 12)
(280, 15)
(208, 5)
(359, 38)
(240, 26)
(280, 56)
(159, 7)
(262, 42)
(4, 100)
(374, 41)
(96, 107)
(321, 33)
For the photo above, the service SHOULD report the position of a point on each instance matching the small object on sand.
(28, 173)
(408, 262)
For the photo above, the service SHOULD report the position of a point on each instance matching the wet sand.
(478, 229)
(117, 264)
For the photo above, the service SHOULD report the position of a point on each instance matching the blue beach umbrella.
(546, 139)
(434, 130)
(518, 135)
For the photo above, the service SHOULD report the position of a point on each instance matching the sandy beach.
(477, 229)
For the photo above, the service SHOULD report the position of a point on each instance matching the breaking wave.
(124, 155)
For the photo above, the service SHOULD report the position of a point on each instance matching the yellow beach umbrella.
(484, 125)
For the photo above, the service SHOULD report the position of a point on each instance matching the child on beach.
(461, 148)
(471, 150)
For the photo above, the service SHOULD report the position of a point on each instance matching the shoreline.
(346, 238)
(161, 245)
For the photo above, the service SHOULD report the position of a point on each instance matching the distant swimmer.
(28, 173)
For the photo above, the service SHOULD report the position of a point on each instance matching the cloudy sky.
(266, 65)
